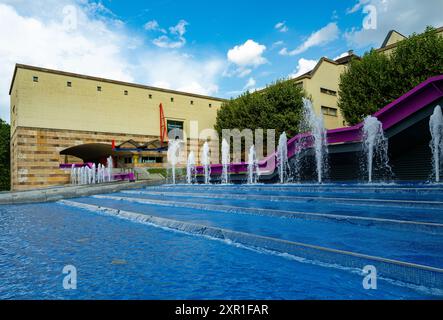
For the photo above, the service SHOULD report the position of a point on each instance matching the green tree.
(417, 59)
(377, 79)
(365, 86)
(278, 107)
(4, 155)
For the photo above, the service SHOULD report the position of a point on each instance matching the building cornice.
(117, 82)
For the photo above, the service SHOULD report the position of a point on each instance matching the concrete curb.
(66, 192)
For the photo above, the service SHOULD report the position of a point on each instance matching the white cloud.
(247, 54)
(181, 72)
(175, 39)
(89, 48)
(250, 84)
(245, 57)
(344, 54)
(334, 15)
(281, 26)
(180, 28)
(243, 72)
(166, 42)
(35, 34)
(277, 44)
(153, 26)
(323, 36)
(405, 16)
(357, 6)
(303, 66)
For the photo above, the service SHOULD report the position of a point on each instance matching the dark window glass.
(329, 111)
(152, 160)
(327, 91)
(176, 126)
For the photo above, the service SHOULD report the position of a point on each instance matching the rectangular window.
(192, 102)
(329, 111)
(99, 88)
(327, 91)
(152, 160)
(150, 96)
(69, 84)
(126, 92)
(175, 126)
(172, 99)
(128, 160)
(35, 78)
(299, 84)
(210, 105)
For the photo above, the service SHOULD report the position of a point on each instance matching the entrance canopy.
(89, 152)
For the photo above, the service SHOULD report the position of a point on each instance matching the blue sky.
(219, 48)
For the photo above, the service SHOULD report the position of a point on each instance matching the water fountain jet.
(225, 162)
(253, 171)
(375, 146)
(173, 155)
(206, 161)
(190, 168)
(436, 144)
(109, 166)
(314, 124)
(282, 158)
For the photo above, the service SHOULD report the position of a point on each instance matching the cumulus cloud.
(405, 16)
(303, 66)
(37, 33)
(174, 40)
(248, 54)
(245, 57)
(320, 37)
(281, 26)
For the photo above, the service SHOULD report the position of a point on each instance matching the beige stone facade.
(52, 111)
(321, 85)
(36, 154)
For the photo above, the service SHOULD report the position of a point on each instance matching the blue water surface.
(122, 259)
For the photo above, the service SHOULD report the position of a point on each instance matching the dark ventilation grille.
(413, 165)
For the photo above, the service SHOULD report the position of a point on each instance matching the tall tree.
(4, 156)
(377, 79)
(278, 107)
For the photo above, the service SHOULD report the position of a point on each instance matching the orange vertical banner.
(163, 131)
